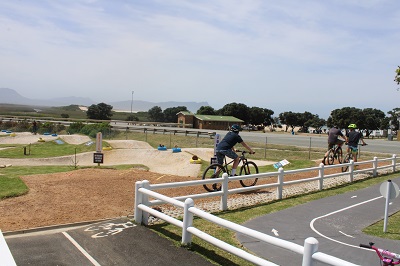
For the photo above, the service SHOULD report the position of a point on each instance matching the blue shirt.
(229, 141)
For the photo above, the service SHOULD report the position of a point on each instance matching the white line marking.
(84, 252)
(328, 214)
(354, 197)
(275, 232)
(346, 234)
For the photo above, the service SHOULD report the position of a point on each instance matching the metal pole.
(265, 150)
(132, 102)
(309, 150)
(389, 185)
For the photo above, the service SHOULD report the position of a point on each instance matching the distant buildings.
(217, 122)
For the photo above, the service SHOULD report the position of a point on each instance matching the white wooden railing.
(144, 190)
(6, 258)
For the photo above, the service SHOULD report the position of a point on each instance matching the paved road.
(99, 244)
(302, 140)
(336, 222)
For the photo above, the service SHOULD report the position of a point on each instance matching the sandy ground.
(122, 152)
(92, 194)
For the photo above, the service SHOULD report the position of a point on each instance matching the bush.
(75, 127)
(91, 130)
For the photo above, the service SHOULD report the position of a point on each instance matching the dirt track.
(91, 194)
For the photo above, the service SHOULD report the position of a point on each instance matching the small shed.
(219, 122)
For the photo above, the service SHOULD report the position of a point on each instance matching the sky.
(284, 55)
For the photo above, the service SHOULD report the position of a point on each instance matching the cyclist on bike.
(333, 139)
(227, 147)
(353, 137)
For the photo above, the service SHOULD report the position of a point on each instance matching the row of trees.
(251, 115)
(367, 119)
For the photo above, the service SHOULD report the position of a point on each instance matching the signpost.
(216, 142)
(98, 156)
(389, 190)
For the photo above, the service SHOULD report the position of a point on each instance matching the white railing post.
(138, 200)
(321, 176)
(145, 201)
(394, 156)
(279, 188)
(351, 171)
(187, 222)
(310, 247)
(375, 166)
(224, 188)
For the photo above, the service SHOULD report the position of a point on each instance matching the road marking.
(354, 197)
(84, 252)
(328, 214)
(346, 234)
(275, 232)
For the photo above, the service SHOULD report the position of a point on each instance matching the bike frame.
(388, 258)
(242, 160)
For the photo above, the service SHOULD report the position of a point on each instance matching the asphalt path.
(336, 222)
(114, 242)
(382, 145)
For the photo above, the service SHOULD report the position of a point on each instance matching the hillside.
(10, 96)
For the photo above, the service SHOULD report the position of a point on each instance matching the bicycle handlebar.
(358, 144)
(384, 255)
(243, 152)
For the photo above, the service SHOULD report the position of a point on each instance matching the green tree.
(260, 116)
(170, 113)
(394, 118)
(316, 122)
(367, 119)
(290, 119)
(100, 111)
(238, 110)
(155, 114)
(132, 118)
(344, 116)
(206, 110)
(397, 77)
(372, 119)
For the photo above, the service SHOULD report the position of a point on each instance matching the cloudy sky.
(284, 55)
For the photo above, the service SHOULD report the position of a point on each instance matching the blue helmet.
(235, 128)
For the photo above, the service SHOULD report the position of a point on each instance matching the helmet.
(352, 126)
(235, 128)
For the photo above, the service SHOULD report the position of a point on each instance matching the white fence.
(144, 190)
(6, 258)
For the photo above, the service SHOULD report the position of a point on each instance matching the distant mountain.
(10, 96)
(145, 106)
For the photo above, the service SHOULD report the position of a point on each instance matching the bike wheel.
(339, 153)
(346, 160)
(331, 157)
(247, 169)
(210, 173)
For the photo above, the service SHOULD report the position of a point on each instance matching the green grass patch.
(11, 184)
(43, 150)
(392, 228)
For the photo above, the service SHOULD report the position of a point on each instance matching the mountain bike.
(335, 152)
(385, 256)
(216, 170)
(348, 158)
